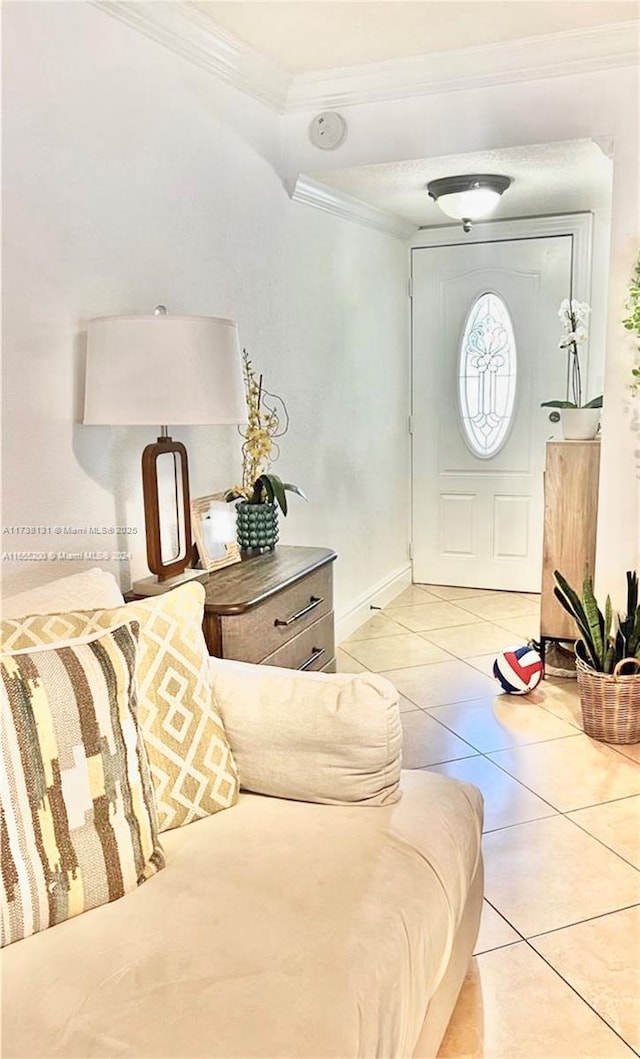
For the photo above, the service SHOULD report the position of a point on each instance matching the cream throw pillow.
(314, 737)
(192, 766)
(78, 817)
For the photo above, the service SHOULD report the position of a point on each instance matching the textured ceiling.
(549, 178)
(302, 36)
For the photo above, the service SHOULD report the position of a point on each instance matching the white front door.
(485, 355)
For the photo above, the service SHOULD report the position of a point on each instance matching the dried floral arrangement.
(267, 421)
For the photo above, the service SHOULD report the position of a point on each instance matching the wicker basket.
(610, 703)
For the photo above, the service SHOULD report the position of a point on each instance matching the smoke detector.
(328, 130)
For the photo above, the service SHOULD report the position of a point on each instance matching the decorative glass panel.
(487, 375)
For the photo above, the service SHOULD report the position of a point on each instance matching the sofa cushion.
(317, 737)
(280, 929)
(79, 826)
(192, 767)
(89, 590)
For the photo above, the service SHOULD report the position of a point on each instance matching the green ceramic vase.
(257, 526)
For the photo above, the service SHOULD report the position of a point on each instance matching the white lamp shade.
(163, 371)
(472, 204)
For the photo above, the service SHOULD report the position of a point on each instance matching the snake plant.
(605, 639)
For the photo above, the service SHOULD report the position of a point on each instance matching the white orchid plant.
(574, 318)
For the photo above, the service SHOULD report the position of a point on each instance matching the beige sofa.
(278, 928)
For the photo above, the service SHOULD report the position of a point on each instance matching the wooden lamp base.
(166, 462)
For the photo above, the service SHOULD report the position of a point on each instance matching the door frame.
(578, 225)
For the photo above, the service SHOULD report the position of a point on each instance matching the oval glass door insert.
(487, 372)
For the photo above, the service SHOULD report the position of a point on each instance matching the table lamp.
(159, 370)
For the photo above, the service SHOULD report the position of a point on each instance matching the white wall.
(603, 105)
(599, 301)
(132, 178)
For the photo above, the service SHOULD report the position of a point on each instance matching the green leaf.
(233, 494)
(596, 402)
(258, 490)
(294, 489)
(558, 404)
(630, 624)
(279, 495)
(633, 636)
(632, 593)
(572, 603)
(595, 619)
(608, 619)
(274, 489)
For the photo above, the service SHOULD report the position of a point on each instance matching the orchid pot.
(580, 424)
(257, 527)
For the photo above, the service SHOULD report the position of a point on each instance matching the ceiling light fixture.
(468, 198)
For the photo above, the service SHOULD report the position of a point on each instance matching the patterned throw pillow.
(78, 821)
(192, 766)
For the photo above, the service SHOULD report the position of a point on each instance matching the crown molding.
(182, 28)
(313, 193)
(550, 55)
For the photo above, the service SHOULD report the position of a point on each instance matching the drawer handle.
(314, 601)
(316, 653)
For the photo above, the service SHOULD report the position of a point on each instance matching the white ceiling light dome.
(468, 197)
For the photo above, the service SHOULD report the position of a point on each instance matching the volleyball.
(518, 670)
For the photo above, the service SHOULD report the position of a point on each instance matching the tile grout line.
(580, 996)
(555, 810)
(554, 930)
(572, 723)
(507, 827)
(609, 801)
(528, 941)
(500, 750)
(561, 812)
(601, 841)
(578, 922)
(496, 948)
(412, 665)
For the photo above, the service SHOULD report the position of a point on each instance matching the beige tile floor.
(556, 971)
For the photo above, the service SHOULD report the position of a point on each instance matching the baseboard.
(378, 596)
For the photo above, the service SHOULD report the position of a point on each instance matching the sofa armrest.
(319, 737)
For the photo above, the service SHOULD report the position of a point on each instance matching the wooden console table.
(570, 523)
(274, 609)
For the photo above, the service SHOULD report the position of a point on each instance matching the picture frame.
(216, 543)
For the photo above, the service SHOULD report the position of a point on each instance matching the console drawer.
(269, 626)
(313, 648)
